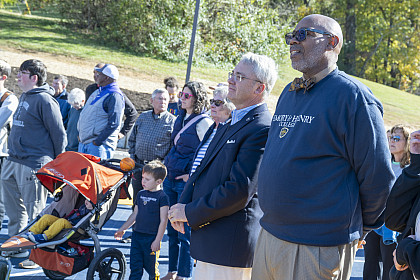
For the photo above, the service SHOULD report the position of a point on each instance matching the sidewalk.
(106, 236)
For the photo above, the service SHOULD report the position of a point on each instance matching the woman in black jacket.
(402, 214)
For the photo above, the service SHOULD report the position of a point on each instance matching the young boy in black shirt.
(150, 216)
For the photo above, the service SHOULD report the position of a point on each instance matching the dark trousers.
(2, 210)
(142, 257)
(136, 184)
(376, 252)
(179, 244)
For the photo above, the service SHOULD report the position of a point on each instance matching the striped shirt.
(202, 152)
(237, 115)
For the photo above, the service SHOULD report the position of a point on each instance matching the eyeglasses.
(239, 77)
(185, 94)
(394, 138)
(300, 35)
(20, 73)
(216, 102)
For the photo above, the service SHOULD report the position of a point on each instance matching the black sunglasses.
(217, 102)
(301, 34)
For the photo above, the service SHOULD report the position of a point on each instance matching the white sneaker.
(15, 254)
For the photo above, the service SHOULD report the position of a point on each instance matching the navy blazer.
(221, 196)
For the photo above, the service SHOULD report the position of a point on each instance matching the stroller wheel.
(3, 271)
(108, 264)
(54, 275)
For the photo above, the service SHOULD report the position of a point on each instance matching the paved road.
(107, 241)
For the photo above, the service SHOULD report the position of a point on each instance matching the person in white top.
(8, 106)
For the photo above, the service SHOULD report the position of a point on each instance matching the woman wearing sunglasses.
(381, 243)
(221, 107)
(402, 214)
(190, 127)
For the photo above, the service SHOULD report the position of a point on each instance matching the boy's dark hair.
(35, 67)
(156, 168)
(171, 82)
(5, 68)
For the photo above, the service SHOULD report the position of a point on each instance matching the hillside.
(74, 53)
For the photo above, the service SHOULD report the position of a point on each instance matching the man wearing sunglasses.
(219, 200)
(326, 173)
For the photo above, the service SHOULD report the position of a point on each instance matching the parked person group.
(248, 195)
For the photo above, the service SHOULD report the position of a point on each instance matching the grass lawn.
(46, 34)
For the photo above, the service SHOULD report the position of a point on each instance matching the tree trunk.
(350, 38)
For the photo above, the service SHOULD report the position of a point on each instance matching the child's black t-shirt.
(148, 215)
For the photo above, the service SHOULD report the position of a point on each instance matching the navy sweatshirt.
(326, 171)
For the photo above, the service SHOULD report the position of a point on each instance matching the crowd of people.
(241, 193)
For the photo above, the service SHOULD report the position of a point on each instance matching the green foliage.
(162, 28)
(229, 29)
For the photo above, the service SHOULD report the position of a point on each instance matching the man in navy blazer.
(219, 201)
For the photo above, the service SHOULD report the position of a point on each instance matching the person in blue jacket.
(189, 129)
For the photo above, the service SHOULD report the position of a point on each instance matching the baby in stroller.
(55, 225)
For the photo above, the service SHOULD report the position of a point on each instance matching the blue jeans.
(103, 151)
(142, 257)
(179, 244)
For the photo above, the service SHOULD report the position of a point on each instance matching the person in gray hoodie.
(37, 137)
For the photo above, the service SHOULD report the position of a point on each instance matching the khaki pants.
(23, 195)
(54, 223)
(276, 259)
(209, 271)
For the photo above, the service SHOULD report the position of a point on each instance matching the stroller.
(73, 178)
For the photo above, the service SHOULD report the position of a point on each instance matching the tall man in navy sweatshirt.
(325, 174)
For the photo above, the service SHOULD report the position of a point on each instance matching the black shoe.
(126, 240)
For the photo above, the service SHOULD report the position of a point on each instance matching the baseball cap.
(109, 70)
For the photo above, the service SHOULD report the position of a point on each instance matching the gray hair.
(5, 68)
(265, 69)
(76, 96)
(63, 79)
(158, 91)
(222, 92)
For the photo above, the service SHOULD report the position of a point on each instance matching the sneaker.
(170, 276)
(126, 240)
(28, 264)
(15, 254)
(37, 238)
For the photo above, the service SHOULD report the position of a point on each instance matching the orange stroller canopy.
(82, 170)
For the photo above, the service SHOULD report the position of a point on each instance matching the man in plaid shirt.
(151, 135)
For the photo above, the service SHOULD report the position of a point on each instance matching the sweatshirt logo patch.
(25, 105)
(283, 132)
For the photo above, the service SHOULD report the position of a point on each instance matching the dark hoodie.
(37, 134)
